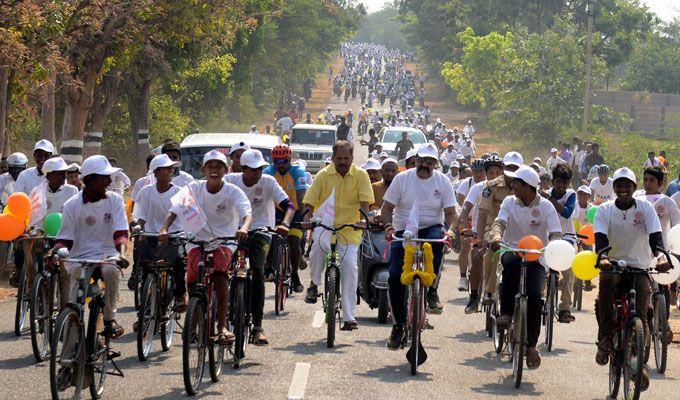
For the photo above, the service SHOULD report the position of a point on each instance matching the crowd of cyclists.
(442, 189)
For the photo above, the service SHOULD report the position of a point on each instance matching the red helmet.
(282, 152)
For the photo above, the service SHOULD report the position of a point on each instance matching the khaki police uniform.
(492, 196)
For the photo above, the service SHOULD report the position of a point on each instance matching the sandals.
(112, 329)
(258, 337)
(225, 338)
(180, 304)
(533, 358)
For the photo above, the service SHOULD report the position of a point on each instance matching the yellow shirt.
(350, 190)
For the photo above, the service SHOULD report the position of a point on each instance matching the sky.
(666, 9)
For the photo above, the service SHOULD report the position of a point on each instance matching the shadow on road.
(459, 301)
(17, 363)
(315, 347)
(506, 388)
(554, 352)
(488, 362)
(471, 337)
(395, 373)
(178, 393)
(245, 369)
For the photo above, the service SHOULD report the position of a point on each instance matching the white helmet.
(17, 160)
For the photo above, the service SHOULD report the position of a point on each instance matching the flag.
(190, 213)
(38, 203)
(413, 218)
(326, 213)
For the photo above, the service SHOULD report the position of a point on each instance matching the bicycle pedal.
(113, 354)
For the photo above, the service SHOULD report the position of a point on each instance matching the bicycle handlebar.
(575, 235)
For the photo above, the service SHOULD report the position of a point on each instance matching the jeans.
(258, 247)
(611, 287)
(150, 251)
(397, 290)
(535, 279)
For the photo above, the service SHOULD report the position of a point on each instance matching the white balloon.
(671, 276)
(559, 255)
(674, 239)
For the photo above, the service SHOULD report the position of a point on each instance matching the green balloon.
(52, 224)
(591, 214)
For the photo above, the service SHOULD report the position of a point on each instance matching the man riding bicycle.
(433, 196)
(292, 179)
(524, 213)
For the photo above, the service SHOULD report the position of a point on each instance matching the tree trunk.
(105, 97)
(8, 102)
(48, 109)
(139, 96)
(79, 97)
(4, 103)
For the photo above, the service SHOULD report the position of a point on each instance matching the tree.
(383, 27)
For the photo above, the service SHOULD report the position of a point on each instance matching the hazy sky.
(664, 8)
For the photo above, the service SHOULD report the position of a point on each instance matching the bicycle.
(282, 272)
(240, 313)
(41, 306)
(627, 359)
(78, 357)
(23, 297)
(136, 280)
(658, 327)
(577, 300)
(331, 294)
(156, 313)
(416, 318)
(515, 339)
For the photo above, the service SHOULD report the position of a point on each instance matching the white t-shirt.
(648, 163)
(581, 214)
(263, 196)
(628, 231)
(224, 211)
(468, 150)
(55, 200)
(464, 186)
(552, 163)
(676, 198)
(538, 218)
(182, 179)
(666, 210)
(434, 195)
(153, 206)
(7, 185)
(91, 225)
(139, 185)
(119, 182)
(602, 193)
(27, 180)
(448, 157)
(473, 197)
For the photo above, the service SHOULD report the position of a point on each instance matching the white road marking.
(296, 391)
(318, 319)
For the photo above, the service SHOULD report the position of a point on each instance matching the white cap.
(214, 155)
(389, 160)
(44, 144)
(454, 164)
(73, 167)
(328, 160)
(538, 160)
(253, 159)
(469, 122)
(378, 144)
(428, 150)
(97, 165)
(371, 164)
(460, 156)
(527, 174)
(553, 150)
(239, 146)
(300, 163)
(162, 161)
(17, 159)
(411, 153)
(157, 150)
(513, 158)
(253, 126)
(585, 189)
(625, 172)
(383, 154)
(54, 164)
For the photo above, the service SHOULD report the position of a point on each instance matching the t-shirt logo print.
(222, 208)
(535, 213)
(108, 219)
(437, 193)
(90, 220)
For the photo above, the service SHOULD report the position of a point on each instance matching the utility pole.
(589, 62)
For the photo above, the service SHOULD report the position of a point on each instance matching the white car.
(390, 135)
(194, 147)
(313, 144)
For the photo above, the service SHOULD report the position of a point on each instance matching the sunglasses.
(281, 162)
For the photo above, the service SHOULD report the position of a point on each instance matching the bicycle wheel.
(41, 315)
(633, 362)
(96, 345)
(216, 350)
(331, 300)
(614, 373)
(240, 325)
(67, 356)
(194, 343)
(519, 345)
(280, 291)
(660, 333)
(5, 254)
(169, 315)
(578, 294)
(146, 317)
(21, 313)
(498, 332)
(414, 326)
(549, 313)
(383, 306)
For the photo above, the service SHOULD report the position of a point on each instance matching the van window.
(313, 136)
(192, 158)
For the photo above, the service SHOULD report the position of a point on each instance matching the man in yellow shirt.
(352, 189)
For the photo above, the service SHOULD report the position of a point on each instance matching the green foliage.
(383, 27)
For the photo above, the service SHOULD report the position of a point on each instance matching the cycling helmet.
(603, 169)
(486, 156)
(17, 160)
(493, 160)
(477, 165)
(282, 152)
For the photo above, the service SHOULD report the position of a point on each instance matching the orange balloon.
(10, 227)
(530, 242)
(587, 230)
(19, 205)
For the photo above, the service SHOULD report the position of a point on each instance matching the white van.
(194, 147)
(313, 143)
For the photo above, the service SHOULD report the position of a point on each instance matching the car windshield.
(395, 136)
(192, 158)
(313, 136)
